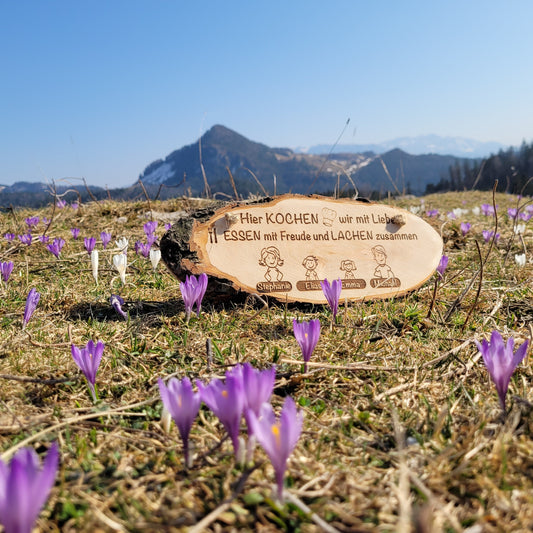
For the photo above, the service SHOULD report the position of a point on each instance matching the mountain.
(280, 170)
(223, 149)
(38, 194)
(423, 144)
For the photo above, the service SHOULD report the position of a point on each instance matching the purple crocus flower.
(307, 335)
(278, 437)
(432, 213)
(151, 238)
(9, 236)
(89, 243)
(56, 246)
(168, 225)
(142, 248)
(31, 304)
(465, 227)
(106, 238)
(5, 269)
(60, 204)
(501, 362)
(487, 210)
(226, 400)
(25, 239)
(525, 216)
(443, 264)
(332, 293)
(44, 238)
(24, 488)
(88, 360)
(150, 227)
(32, 222)
(488, 234)
(192, 292)
(512, 212)
(75, 232)
(183, 405)
(75, 205)
(117, 302)
(257, 386)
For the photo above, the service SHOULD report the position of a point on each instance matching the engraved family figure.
(271, 258)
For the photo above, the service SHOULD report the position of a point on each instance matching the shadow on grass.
(135, 308)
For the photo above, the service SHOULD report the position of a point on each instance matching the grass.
(402, 426)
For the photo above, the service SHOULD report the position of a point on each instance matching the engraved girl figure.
(348, 266)
(270, 257)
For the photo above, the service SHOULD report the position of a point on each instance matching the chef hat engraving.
(329, 216)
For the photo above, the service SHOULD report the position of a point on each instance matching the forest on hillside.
(513, 168)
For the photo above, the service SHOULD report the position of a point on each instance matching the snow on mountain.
(422, 144)
(159, 174)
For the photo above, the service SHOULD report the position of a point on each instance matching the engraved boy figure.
(310, 263)
(271, 258)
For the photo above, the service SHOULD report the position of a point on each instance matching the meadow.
(402, 428)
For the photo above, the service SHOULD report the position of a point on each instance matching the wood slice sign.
(283, 248)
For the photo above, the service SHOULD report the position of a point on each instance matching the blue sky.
(100, 89)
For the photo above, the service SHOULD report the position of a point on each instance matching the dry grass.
(402, 427)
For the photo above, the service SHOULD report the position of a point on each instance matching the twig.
(209, 353)
(478, 292)
(265, 306)
(93, 198)
(27, 379)
(461, 297)
(232, 181)
(327, 158)
(213, 515)
(10, 451)
(430, 310)
(400, 388)
(147, 199)
(313, 516)
(433, 500)
(353, 367)
(257, 181)
(206, 185)
(389, 176)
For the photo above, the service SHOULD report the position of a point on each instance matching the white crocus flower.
(459, 212)
(519, 229)
(155, 257)
(121, 262)
(94, 264)
(122, 244)
(520, 259)
(476, 210)
(415, 209)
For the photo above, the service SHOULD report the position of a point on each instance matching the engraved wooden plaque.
(283, 248)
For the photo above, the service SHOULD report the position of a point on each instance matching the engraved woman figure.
(270, 257)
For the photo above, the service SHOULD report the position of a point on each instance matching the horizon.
(102, 90)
